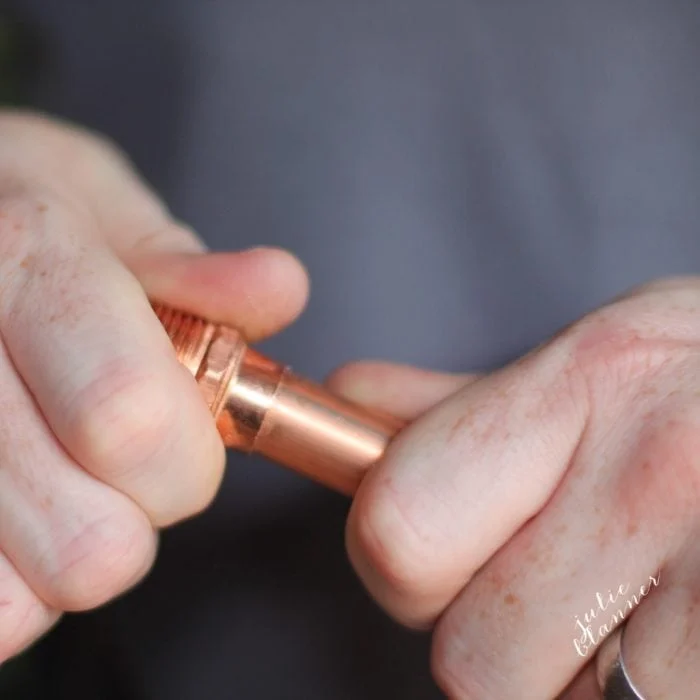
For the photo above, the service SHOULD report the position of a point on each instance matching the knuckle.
(610, 351)
(129, 429)
(121, 419)
(102, 559)
(391, 542)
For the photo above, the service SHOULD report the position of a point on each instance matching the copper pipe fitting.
(261, 406)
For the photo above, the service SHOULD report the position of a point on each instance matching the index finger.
(458, 483)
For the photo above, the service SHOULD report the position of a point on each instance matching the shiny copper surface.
(261, 406)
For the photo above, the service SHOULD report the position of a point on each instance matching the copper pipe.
(261, 406)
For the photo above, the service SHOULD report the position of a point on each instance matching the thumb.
(259, 291)
(401, 390)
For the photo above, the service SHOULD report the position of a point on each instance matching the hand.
(526, 508)
(104, 437)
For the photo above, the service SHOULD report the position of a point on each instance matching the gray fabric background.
(461, 177)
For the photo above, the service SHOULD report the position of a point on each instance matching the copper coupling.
(261, 406)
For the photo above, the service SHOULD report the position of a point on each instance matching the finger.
(582, 566)
(259, 291)
(401, 390)
(482, 462)
(555, 588)
(23, 616)
(83, 335)
(74, 540)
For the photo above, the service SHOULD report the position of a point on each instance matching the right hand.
(104, 437)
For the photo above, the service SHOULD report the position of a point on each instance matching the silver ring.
(613, 679)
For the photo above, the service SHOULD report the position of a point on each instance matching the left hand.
(523, 509)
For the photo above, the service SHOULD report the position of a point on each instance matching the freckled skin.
(94, 460)
(625, 495)
(496, 580)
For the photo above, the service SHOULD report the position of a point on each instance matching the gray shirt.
(462, 177)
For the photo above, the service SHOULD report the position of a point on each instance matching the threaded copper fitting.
(261, 406)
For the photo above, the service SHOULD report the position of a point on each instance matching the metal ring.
(613, 679)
